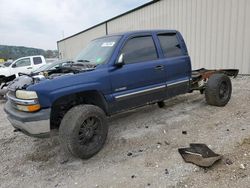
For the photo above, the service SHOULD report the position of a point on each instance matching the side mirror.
(14, 65)
(120, 61)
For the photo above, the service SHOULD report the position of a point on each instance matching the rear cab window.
(37, 60)
(139, 49)
(170, 45)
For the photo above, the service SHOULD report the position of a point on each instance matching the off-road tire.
(74, 122)
(218, 90)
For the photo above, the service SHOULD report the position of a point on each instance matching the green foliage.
(15, 52)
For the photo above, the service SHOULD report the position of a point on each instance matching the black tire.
(83, 131)
(218, 90)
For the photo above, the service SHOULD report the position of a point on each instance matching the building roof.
(105, 22)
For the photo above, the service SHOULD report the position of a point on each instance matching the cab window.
(37, 60)
(170, 45)
(22, 63)
(139, 49)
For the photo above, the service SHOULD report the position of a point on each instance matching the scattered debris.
(146, 127)
(133, 176)
(164, 131)
(64, 161)
(184, 132)
(200, 155)
(242, 166)
(166, 171)
(228, 130)
(159, 143)
(148, 184)
(167, 143)
(228, 162)
(245, 141)
(140, 150)
(129, 154)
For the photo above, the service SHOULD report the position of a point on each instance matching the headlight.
(23, 94)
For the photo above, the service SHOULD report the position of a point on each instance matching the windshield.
(7, 64)
(98, 51)
(43, 68)
(52, 66)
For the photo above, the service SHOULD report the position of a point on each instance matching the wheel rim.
(89, 132)
(223, 91)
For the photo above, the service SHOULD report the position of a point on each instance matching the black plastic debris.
(133, 176)
(228, 162)
(129, 154)
(184, 132)
(166, 171)
(200, 155)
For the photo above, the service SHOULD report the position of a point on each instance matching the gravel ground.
(151, 136)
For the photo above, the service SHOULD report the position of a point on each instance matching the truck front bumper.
(35, 124)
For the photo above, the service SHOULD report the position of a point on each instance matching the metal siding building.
(217, 32)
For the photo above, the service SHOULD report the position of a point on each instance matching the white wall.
(217, 32)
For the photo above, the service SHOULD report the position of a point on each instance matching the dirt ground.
(153, 136)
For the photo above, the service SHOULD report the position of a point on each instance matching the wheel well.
(63, 104)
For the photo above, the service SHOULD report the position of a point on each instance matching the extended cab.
(112, 74)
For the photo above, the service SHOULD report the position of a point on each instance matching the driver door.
(142, 78)
(22, 66)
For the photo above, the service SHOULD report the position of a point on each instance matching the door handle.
(159, 67)
(29, 68)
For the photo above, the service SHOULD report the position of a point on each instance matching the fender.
(49, 91)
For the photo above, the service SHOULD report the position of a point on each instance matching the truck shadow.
(131, 122)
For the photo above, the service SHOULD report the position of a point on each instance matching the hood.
(4, 71)
(21, 82)
(25, 80)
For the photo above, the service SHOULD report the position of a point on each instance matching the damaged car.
(112, 74)
(11, 70)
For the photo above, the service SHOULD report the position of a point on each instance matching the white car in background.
(24, 65)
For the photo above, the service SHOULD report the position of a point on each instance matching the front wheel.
(83, 131)
(218, 90)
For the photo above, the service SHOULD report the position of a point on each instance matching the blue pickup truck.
(112, 74)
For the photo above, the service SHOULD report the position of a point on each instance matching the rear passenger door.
(38, 62)
(142, 78)
(176, 61)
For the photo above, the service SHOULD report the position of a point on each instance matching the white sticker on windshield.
(108, 44)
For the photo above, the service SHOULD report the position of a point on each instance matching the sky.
(41, 23)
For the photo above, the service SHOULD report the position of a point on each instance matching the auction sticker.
(108, 44)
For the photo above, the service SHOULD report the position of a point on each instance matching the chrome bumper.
(33, 124)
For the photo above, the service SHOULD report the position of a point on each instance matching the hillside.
(14, 52)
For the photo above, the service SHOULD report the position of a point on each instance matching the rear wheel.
(218, 90)
(83, 131)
